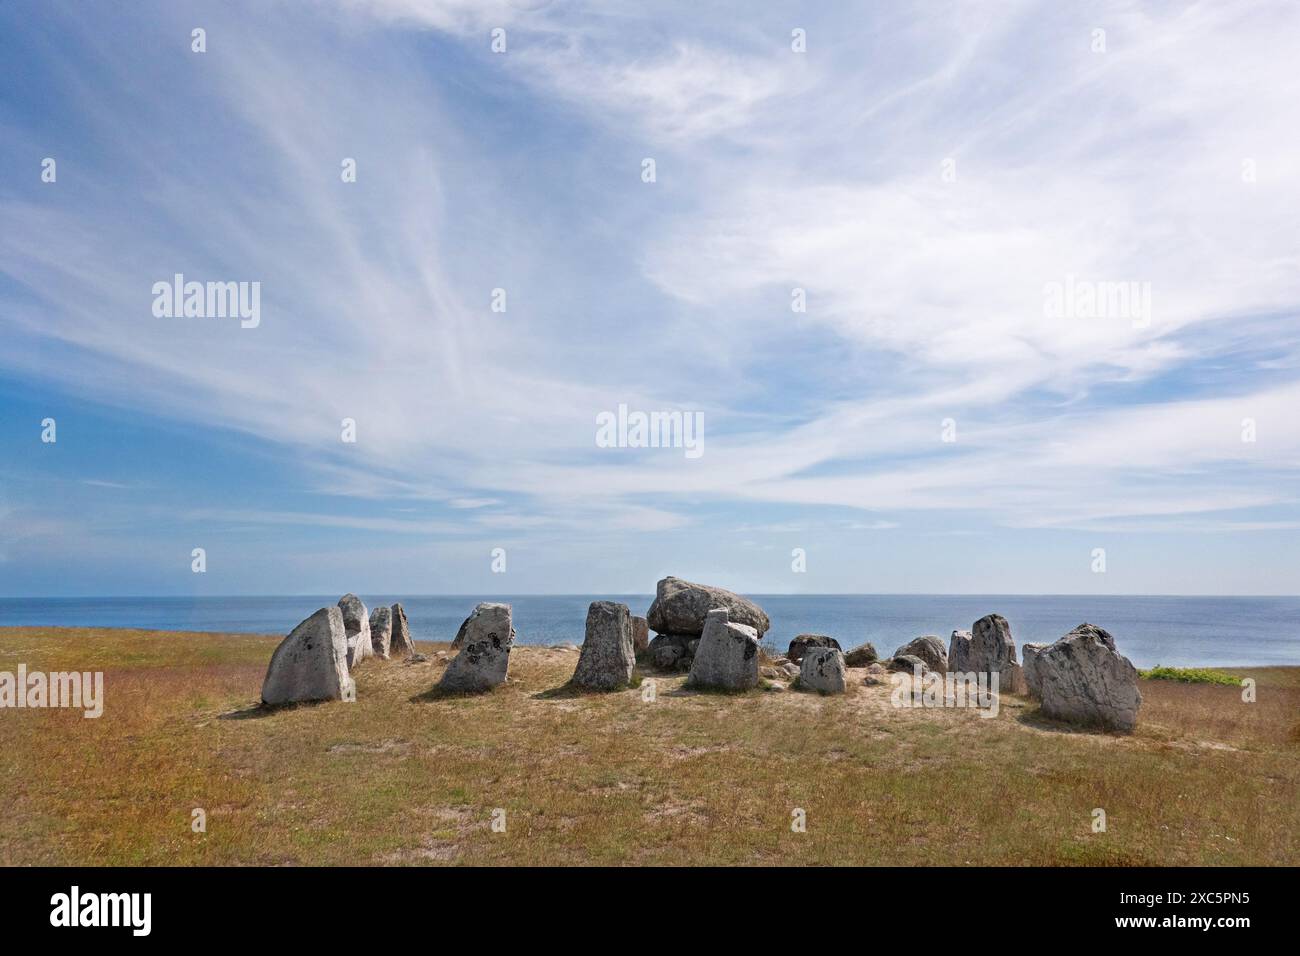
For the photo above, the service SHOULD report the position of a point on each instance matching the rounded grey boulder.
(681, 607)
(801, 644)
(311, 663)
(929, 649)
(861, 656)
(607, 658)
(822, 670)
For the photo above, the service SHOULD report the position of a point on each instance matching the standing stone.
(822, 670)
(801, 644)
(607, 657)
(987, 648)
(861, 656)
(356, 623)
(640, 634)
(681, 607)
(381, 631)
(401, 644)
(930, 649)
(311, 663)
(727, 655)
(472, 625)
(486, 638)
(1030, 668)
(1083, 679)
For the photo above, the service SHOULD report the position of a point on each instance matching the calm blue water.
(1181, 631)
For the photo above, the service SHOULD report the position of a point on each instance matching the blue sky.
(925, 173)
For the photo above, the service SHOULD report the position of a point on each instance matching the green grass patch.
(1191, 675)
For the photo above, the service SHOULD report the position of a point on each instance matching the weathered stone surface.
(822, 670)
(401, 644)
(909, 663)
(640, 634)
(484, 657)
(861, 656)
(311, 663)
(681, 607)
(929, 648)
(671, 652)
(1030, 665)
(1083, 679)
(356, 624)
(986, 648)
(607, 657)
(381, 631)
(727, 655)
(800, 645)
(875, 674)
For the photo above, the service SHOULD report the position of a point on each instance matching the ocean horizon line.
(575, 594)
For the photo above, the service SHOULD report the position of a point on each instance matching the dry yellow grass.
(688, 779)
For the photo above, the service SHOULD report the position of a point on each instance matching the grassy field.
(398, 778)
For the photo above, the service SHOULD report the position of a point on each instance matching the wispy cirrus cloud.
(921, 179)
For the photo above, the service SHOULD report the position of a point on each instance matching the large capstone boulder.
(1083, 679)
(484, 657)
(356, 624)
(640, 634)
(822, 670)
(929, 649)
(311, 663)
(727, 655)
(607, 658)
(1029, 666)
(381, 631)
(401, 644)
(801, 644)
(987, 648)
(862, 656)
(681, 607)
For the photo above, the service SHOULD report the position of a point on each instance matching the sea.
(1175, 631)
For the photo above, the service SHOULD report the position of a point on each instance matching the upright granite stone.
(311, 663)
(1083, 679)
(484, 659)
(485, 614)
(401, 644)
(987, 648)
(804, 642)
(640, 634)
(607, 658)
(929, 649)
(381, 631)
(822, 670)
(1030, 667)
(861, 656)
(681, 607)
(356, 624)
(727, 655)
